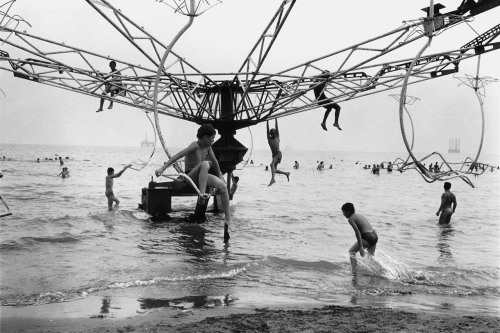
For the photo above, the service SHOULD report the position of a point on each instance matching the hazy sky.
(219, 40)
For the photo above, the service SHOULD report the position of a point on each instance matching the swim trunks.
(278, 156)
(445, 216)
(109, 193)
(370, 237)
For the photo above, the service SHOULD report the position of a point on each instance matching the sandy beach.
(231, 319)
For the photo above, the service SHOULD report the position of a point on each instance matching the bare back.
(361, 222)
(447, 199)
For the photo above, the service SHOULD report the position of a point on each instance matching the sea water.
(290, 244)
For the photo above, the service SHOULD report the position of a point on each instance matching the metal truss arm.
(253, 62)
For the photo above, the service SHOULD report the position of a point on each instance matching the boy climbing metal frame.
(189, 94)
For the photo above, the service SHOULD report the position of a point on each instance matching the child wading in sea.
(64, 173)
(109, 186)
(365, 235)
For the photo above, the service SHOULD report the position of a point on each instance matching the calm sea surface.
(290, 246)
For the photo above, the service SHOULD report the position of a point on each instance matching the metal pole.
(157, 80)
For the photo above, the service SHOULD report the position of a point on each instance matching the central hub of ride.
(228, 151)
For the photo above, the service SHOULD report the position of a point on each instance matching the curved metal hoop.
(426, 175)
(157, 82)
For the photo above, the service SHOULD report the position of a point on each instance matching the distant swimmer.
(111, 86)
(109, 186)
(365, 234)
(61, 162)
(199, 158)
(447, 201)
(296, 165)
(273, 139)
(320, 166)
(64, 173)
(389, 167)
(319, 93)
(234, 186)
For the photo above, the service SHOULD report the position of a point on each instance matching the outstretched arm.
(267, 129)
(276, 126)
(118, 174)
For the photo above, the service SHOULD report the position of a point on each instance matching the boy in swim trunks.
(273, 139)
(198, 158)
(447, 200)
(319, 93)
(109, 186)
(112, 86)
(365, 235)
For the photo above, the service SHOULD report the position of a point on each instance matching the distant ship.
(146, 142)
(454, 146)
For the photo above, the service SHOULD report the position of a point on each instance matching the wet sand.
(233, 319)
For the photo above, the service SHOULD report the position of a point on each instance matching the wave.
(321, 264)
(63, 238)
(73, 295)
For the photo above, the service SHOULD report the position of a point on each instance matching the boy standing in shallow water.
(447, 200)
(198, 158)
(273, 139)
(109, 186)
(365, 235)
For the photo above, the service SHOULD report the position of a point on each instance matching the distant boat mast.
(454, 146)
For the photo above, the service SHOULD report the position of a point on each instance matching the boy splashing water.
(273, 139)
(365, 235)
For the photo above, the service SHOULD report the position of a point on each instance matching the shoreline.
(276, 319)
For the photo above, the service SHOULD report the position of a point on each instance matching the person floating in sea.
(448, 200)
(273, 139)
(319, 93)
(320, 166)
(198, 159)
(112, 86)
(296, 165)
(365, 235)
(109, 186)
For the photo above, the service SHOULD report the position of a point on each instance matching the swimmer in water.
(64, 173)
(448, 200)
